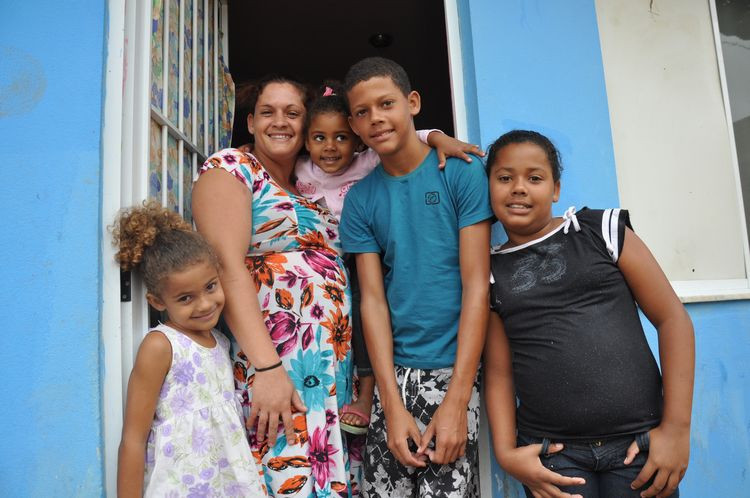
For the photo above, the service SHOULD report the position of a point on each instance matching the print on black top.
(581, 364)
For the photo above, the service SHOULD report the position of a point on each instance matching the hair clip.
(328, 92)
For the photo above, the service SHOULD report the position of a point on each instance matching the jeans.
(599, 462)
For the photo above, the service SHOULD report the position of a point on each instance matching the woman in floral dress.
(287, 299)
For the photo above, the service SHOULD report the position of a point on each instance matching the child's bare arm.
(151, 366)
(376, 324)
(449, 425)
(670, 441)
(499, 395)
(447, 146)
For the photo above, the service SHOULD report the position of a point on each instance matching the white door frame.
(110, 307)
(456, 68)
(460, 122)
(125, 141)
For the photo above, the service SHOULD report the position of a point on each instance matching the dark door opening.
(320, 40)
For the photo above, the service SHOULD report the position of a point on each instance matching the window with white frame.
(191, 99)
(676, 167)
(191, 96)
(169, 104)
(733, 22)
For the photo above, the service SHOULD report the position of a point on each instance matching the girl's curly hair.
(156, 241)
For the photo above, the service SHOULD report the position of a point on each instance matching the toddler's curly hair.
(156, 241)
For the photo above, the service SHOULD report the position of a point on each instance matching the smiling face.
(331, 142)
(193, 298)
(522, 190)
(382, 115)
(277, 121)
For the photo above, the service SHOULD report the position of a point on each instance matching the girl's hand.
(274, 396)
(668, 455)
(400, 427)
(451, 147)
(524, 464)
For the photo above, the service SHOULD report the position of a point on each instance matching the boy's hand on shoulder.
(523, 463)
(449, 427)
(400, 427)
(668, 455)
(446, 146)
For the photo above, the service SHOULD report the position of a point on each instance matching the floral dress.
(303, 291)
(197, 446)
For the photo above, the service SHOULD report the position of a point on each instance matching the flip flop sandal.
(352, 428)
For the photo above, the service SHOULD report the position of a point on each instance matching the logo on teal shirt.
(431, 198)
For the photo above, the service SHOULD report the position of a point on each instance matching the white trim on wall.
(216, 73)
(456, 68)
(112, 402)
(699, 291)
(461, 126)
(135, 312)
(205, 75)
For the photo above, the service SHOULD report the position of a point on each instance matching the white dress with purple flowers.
(197, 446)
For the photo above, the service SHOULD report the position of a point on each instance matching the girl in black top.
(566, 340)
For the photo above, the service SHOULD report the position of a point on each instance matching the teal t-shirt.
(413, 222)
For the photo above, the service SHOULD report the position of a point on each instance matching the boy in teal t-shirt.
(424, 316)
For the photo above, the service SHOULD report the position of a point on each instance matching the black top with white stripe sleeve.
(581, 364)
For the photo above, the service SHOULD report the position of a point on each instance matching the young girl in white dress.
(183, 433)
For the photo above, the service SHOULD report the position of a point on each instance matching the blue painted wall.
(51, 74)
(720, 435)
(537, 64)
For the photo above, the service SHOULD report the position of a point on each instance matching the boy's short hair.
(372, 67)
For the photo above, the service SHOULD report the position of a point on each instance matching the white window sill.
(699, 291)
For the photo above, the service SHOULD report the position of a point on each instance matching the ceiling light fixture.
(381, 40)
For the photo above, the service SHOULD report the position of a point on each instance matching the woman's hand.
(274, 396)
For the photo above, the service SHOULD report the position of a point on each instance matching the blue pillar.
(51, 84)
(537, 64)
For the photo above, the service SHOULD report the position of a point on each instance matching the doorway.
(314, 41)
(166, 111)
